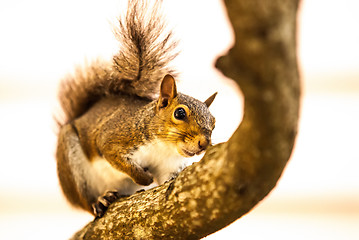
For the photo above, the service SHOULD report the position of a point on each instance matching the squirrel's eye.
(180, 113)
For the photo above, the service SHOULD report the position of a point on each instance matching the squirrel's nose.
(203, 143)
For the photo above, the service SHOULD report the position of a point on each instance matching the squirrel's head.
(185, 121)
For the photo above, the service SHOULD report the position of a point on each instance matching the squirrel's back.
(137, 69)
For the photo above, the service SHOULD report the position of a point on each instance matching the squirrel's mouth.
(187, 153)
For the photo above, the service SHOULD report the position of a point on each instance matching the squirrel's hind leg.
(75, 170)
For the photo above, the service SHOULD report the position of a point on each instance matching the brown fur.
(137, 69)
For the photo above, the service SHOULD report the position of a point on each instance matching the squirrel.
(125, 126)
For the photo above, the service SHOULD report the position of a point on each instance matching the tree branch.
(234, 176)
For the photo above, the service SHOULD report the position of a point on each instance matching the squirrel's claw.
(104, 201)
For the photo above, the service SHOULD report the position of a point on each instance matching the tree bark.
(234, 176)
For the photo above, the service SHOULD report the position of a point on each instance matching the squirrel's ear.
(168, 91)
(209, 101)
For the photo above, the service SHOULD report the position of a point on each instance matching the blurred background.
(42, 41)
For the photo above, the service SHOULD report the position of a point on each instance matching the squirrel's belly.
(162, 160)
(109, 178)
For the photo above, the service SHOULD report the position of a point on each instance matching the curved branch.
(234, 176)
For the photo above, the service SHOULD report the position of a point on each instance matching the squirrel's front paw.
(143, 177)
(104, 201)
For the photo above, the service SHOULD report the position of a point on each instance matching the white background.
(42, 41)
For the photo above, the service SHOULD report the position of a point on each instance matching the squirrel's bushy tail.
(137, 69)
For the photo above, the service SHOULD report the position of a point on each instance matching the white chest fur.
(161, 159)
